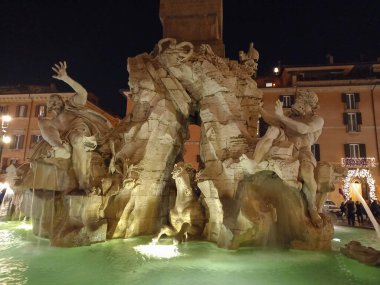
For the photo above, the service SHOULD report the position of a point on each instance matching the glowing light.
(361, 162)
(336, 239)
(362, 173)
(276, 70)
(158, 251)
(6, 118)
(6, 139)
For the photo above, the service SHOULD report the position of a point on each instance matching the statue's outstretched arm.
(300, 127)
(269, 118)
(61, 74)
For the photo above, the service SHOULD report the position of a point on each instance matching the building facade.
(349, 98)
(25, 104)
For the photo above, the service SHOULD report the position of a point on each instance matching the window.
(316, 152)
(35, 139)
(351, 100)
(352, 120)
(17, 142)
(13, 161)
(4, 109)
(355, 150)
(287, 100)
(40, 111)
(5, 162)
(21, 110)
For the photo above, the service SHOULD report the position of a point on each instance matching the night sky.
(97, 37)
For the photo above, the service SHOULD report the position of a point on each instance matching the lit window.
(4, 109)
(17, 142)
(352, 120)
(21, 111)
(351, 100)
(40, 111)
(355, 150)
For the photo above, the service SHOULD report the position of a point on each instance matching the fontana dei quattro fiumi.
(90, 183)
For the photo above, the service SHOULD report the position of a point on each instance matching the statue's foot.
(316, 219)
(249, 165)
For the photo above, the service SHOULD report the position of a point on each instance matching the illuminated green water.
(27, 260)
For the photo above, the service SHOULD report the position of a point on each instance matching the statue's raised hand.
(60, 70)
(278, 109)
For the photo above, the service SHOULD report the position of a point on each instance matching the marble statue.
(73, 130)
(301, 127)
(247, 191)
(71, 134)
(250, 60)
(187, 216)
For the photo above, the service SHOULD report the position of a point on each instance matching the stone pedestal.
(196, 21)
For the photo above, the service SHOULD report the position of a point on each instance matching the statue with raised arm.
(73, 130)
(300, 128)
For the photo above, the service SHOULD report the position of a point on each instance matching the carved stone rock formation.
(141, 186)
(366, 255)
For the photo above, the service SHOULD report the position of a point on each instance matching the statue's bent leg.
(310, 189)
(265, 143)
(262, 148)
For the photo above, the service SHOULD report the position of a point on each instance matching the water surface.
(25, 259)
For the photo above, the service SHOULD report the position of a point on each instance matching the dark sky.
(97, 37)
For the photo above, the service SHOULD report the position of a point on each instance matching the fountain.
(93, 183)
(117, 188)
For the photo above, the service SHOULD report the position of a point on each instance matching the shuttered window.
(40, 111)
(287, 100)
(351, 100)
(355, 150)
(316, 151)
(17, 142)
(352, 120)
(21, 111)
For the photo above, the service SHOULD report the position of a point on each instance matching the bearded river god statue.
(249, 191)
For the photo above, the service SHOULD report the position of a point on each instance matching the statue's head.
(55, 104)
(306, 102)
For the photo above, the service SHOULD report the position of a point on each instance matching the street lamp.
(4, 139)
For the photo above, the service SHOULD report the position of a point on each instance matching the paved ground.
(342, 221)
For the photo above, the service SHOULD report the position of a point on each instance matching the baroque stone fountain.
(88, 182)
